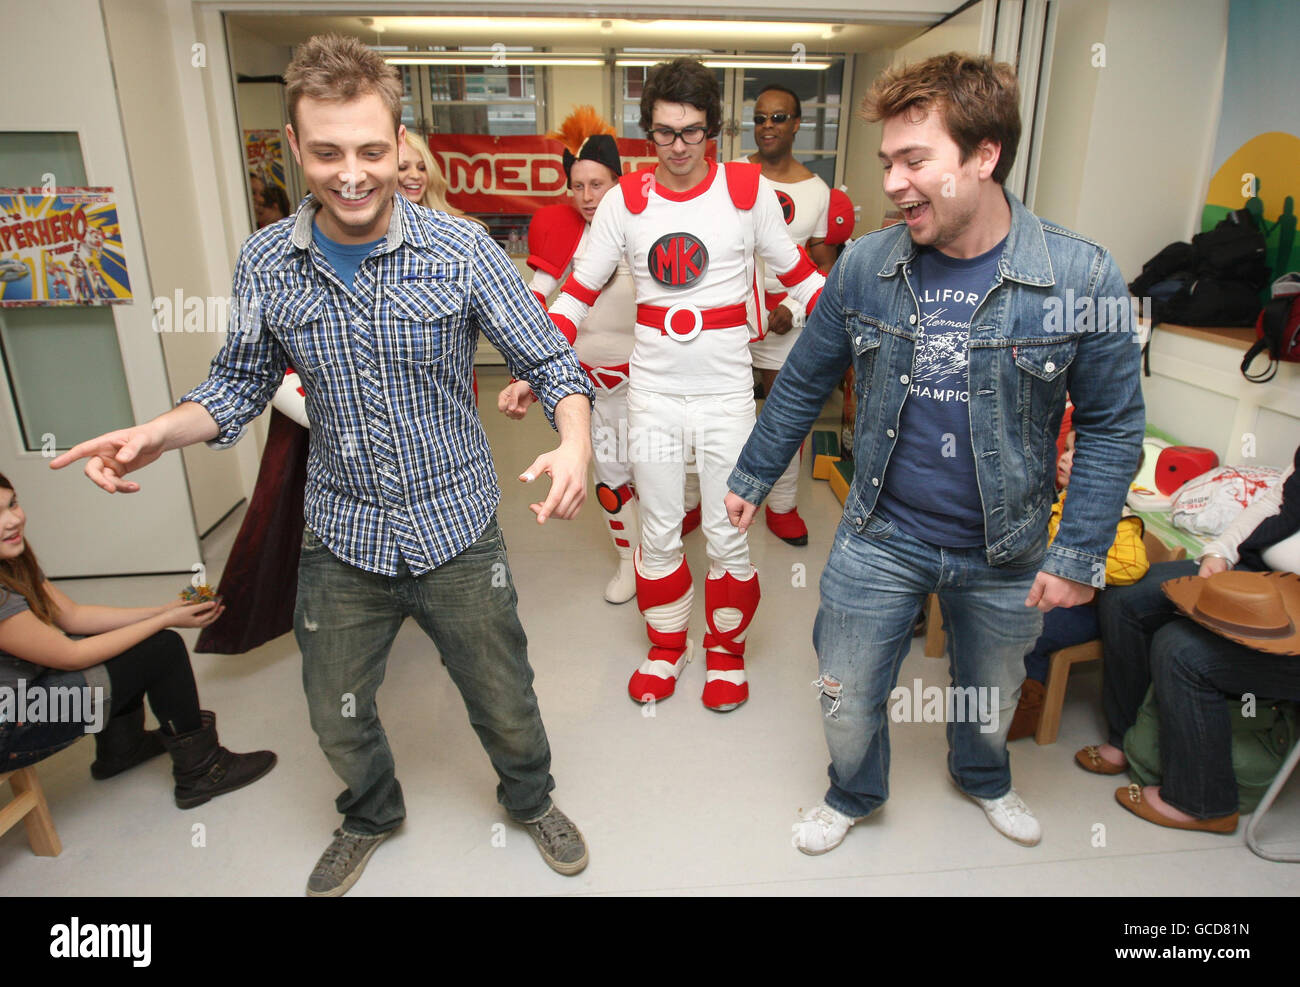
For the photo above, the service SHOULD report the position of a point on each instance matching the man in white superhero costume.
(558, 238)
(689, 230)
(808, 205)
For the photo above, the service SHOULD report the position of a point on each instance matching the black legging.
(159, 667)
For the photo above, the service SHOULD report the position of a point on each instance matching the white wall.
(862, 175)
(962, 32)
(80, 530)
(1127, 145)
(166, 197)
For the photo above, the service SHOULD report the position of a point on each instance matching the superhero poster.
(264, 160)
(61, 246)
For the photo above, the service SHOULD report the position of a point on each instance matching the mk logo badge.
(678, 260)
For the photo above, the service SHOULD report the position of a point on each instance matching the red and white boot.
(665, 603)
(621, 520)
(729, 605)
(787, 525)
(782, 515)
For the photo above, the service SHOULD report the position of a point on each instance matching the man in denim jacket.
(966, 328)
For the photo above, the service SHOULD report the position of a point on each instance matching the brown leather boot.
(204, 769)
(1029, 711)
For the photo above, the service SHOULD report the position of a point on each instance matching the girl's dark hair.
(22, 576)
(683, 80)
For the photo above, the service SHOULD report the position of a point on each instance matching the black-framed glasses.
(667, 137)
(777, 118)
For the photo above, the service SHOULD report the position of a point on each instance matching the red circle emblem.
(787, 206)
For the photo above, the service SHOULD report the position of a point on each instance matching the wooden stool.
(30, 806)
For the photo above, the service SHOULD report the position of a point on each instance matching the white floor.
(682, 802)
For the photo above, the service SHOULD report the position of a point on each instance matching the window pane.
(65, 372)
(493, 119)
(25, 160)
(808, 85)
(632, 120)
(482, 82)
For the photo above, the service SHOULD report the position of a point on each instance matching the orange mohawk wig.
(582, 123)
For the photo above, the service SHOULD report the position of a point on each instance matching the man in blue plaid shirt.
(377, 304)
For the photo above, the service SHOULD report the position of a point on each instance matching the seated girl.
(125, 655)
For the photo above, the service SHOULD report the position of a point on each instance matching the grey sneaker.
(558, 839)
(342, 863)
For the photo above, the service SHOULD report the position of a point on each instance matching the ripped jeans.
(872, 590)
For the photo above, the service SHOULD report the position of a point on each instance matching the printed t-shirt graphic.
(930, 489)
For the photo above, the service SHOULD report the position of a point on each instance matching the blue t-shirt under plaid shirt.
(399, 469)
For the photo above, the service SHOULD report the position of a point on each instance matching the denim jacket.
(1057, 320)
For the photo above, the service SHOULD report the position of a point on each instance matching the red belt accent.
(608, 378)
(726, 317)
(771, 300)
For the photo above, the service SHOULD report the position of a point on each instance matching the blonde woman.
(421, 180)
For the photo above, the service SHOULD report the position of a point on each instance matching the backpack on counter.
(1277, 330)
(1230, 272)
(1213, 281)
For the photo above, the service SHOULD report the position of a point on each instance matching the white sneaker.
(822, 829)
(622, 587)
(1012, 818)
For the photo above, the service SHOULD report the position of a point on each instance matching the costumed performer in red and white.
(689, 231)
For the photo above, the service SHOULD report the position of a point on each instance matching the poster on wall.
(514, 174)
(1256, 162)
(264, 159)
(61, 246)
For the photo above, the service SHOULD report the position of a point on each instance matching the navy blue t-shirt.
(930, 489)
(345, 258)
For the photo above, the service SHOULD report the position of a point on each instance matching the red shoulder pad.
(553, 236)
(742, 183)
(636, 189)
(839, 218)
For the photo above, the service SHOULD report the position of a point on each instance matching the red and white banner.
(515, 174)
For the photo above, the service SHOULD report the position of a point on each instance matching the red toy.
(1178, 464)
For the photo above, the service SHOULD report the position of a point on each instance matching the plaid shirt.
(399, 469)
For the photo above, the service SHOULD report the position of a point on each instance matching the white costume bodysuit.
(691, 255)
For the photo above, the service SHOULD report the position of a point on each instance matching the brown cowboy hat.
(1258, 609)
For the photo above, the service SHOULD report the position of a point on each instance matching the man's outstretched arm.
(111, 456)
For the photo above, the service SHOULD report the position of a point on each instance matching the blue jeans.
(345, 621)
(1196, 673)
(1063, 627)
(872, 589)
(1129, 617)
